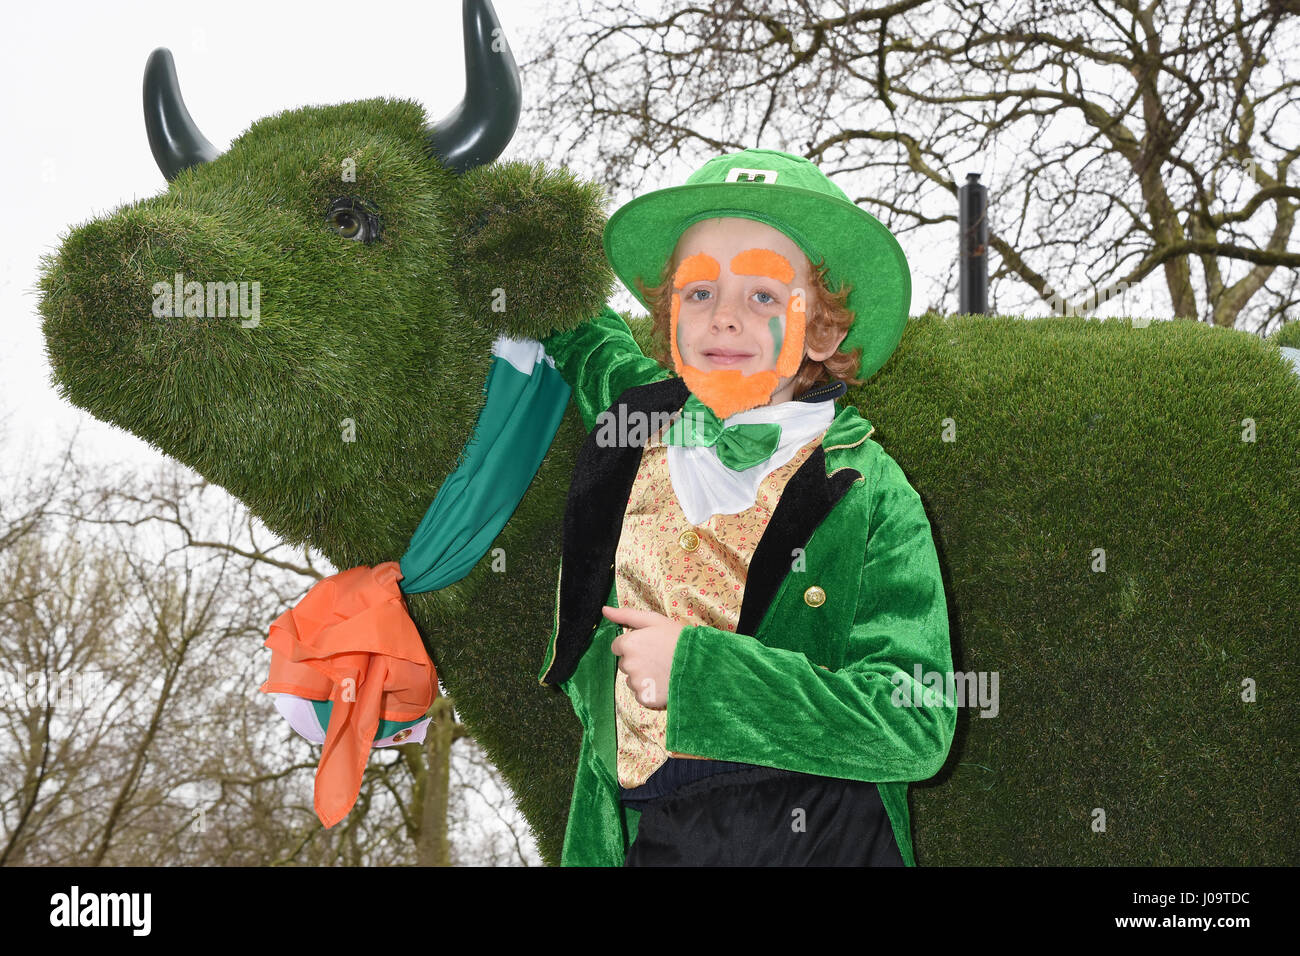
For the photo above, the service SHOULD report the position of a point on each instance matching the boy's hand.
(645, 652)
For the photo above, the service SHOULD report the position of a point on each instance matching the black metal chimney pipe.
(972, 222)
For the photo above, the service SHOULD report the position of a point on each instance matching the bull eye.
(353, 219)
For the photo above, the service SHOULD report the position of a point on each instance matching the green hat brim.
(640, 237)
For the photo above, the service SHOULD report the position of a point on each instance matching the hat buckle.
(750, 175)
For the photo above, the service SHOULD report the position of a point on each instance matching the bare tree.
(132, 615)
(1126, 140)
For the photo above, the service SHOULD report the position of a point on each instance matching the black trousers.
(766, 817)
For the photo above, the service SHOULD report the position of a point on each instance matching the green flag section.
(526, 398)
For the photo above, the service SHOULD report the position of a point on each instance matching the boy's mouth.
(726, 356)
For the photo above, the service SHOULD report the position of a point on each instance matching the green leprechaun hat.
(791, 194)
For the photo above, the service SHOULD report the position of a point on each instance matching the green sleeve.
(733, 698)
(600, 360)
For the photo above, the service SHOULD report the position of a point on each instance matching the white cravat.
(706, 487)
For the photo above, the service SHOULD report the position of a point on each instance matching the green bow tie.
(739, 446)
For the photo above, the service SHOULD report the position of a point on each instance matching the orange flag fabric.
(351, 641)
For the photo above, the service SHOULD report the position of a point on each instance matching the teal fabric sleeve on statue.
(526, 398)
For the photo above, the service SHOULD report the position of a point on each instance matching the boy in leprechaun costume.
(749, 590)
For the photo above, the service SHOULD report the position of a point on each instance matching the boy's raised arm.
(600, 360)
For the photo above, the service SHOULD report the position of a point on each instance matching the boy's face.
(738, 314)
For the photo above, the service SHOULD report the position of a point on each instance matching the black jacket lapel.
(807, 499)
(593, 523)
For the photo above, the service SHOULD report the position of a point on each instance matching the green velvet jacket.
(825, 687)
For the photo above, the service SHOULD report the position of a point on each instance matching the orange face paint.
(763, 262)
(729, 390)
(696, 267)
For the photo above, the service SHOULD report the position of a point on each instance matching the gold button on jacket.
(814, 596)
(689, 540)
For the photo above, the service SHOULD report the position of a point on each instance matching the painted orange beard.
(726, 391)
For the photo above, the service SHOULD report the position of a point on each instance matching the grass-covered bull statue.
(1114, 503)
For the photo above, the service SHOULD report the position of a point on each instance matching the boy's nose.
(725, 316)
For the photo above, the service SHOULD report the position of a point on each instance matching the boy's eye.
(767, 299)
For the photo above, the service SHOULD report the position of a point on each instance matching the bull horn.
(479, 129)
(173, 137)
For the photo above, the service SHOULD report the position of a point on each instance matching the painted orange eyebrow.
(763, 262)
(696, 267)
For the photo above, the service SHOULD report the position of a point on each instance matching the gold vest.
(694, 574)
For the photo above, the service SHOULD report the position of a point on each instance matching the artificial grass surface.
(337, 416)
